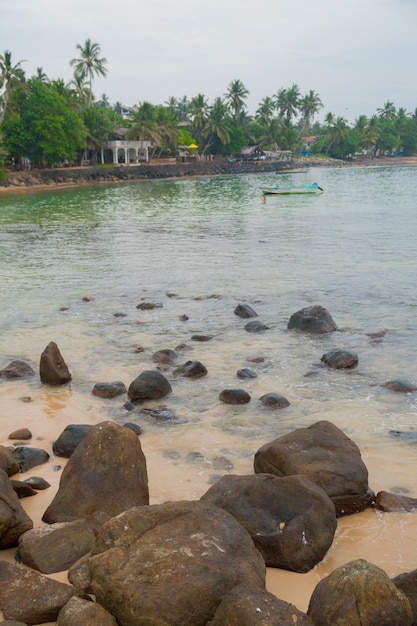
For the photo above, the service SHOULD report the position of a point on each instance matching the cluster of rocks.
(189, 562)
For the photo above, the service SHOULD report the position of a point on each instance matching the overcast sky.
(356, 54)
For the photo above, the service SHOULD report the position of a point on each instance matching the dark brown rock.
(249, 607)
(109, 390)
(191, 369)
(339, 358)
(37, 482)
(389, 502)
(53, 369)
(313, 319)
(55, 548)
(359, 594)
(274, 401)
(202, 338)
(21, 489)
(245, 311)
(22, 434)
(172, 563)
(105, 475)
(325, 455)
(150, 385)
(291, 521)
(17, 369)
(400, 385)
(80, 612)
(8, 462)
(29, 597)
(14, 521)
(149, 306)
(407, 584)
(166, 356)
(246, 373)
(68, 440)
(234, 396)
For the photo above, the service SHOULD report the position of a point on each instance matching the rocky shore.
(65, 177)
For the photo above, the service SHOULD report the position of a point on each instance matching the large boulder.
(55, 548)
(249, 607)
(172, 563)
(359, 594)
(313, 319)
(407, 583)
(8, 461)
(150, 385)
(69, 439)
(291, 521)
(52, 368)
(105, 476)
(325, 455)
(80, 612)
(14, 521)
(29, 597)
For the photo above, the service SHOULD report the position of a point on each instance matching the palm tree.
(288, 102)
(198, 112)
(235, 97)
(89, 64)
(310, 104)
(40, 75)
(388, 111)
(338, 131)
(143, 123)
(264, 111)
(217, 124)
(10, 76)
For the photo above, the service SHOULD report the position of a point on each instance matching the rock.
(68, 440)
(53, 369)
(138, 430)
(55, 548)
(234, 396)
(202, 338)
(191, 369)
(256, 327)
(150, 385)
(21, 489)
(404, 435)
(325, 455)
(291, 521)
(247, 607)
(109, 390)
(389, 502)
(17, 369)
(80, 612)
(14, 521)
(8, 462)
(359, 593)
(36, 482)
(167, 357)
(245, 311)
(339, 358)
(149, 306)
(29, 597)
(246, 373)
(407, 584)
(400, 386)
(163, 415)
(313, 319)
(29, 457)
(274, 401)
(105, 475)
(22, 434)
(151, 563)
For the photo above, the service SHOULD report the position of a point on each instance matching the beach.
(199, 247)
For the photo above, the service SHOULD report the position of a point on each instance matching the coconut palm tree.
(310, 104)
(288, 102)
(198, 112)
(10, 76)
(388, 111)
(89, 64)
(217, 123)
(337, 131)
(235, 97)
(264, 111)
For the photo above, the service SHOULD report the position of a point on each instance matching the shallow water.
(76, 263)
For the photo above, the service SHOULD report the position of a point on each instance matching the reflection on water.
(76, 264)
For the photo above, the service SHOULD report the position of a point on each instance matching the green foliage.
(46, 130)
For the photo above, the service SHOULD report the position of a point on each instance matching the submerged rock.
(313, 319)
(150, 385)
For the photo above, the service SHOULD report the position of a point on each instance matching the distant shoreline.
(71, 178)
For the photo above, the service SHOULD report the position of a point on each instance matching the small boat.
(285, 189)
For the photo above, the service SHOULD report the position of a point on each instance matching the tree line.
(49, 121)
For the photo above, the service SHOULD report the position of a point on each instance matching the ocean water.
(74, 265)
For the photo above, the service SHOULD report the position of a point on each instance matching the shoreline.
(79, 177)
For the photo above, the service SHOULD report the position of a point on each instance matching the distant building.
(307, 142)
(252, 153)
(127, 151)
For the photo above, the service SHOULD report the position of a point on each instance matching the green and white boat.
(287, 189)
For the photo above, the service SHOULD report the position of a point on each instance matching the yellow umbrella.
(192, 146)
